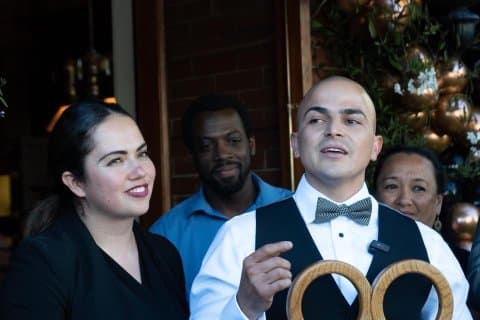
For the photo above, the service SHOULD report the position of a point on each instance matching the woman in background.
(411, 179)
(84, 256)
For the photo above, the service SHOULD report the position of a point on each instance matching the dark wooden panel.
(151, 104)
(295, 78)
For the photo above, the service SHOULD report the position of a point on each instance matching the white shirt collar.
(306, 198)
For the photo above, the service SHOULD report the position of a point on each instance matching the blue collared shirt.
(193, 223)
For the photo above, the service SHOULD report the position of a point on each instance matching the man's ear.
(294, 145)
(377, 147)
(252, 145)
(73, 184)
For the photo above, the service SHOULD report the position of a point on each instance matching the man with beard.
(218, 133)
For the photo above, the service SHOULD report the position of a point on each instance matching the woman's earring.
(437, 224)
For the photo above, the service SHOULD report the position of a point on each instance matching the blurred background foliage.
(420, 62)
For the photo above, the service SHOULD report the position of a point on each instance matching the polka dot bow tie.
(359, 211)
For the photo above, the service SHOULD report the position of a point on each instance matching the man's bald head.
(336, 85)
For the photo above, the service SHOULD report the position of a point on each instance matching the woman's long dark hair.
(69, 143)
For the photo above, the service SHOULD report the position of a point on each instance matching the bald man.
(250, 265)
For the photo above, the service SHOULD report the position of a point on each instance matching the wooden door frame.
(294, 76)
(151, 97)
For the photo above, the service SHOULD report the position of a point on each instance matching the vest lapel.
(402, 235)
(283, 221)
(323, 294)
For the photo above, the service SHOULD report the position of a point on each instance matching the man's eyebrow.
(318, 109)
(353, 111)
(223, 134)
(323, 110)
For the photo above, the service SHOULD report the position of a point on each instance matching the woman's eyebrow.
(122, 152)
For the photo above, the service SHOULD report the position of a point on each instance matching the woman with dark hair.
(84, 256)
(412, 180)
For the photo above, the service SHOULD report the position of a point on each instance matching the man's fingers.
(253, 268)
(270, 250)
(266, 259)
(265, 278)
(271, 289)
(264, 274)
(276, 275)
(280, 285)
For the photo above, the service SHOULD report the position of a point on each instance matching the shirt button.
(340, 234)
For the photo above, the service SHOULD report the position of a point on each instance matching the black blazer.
(62, 274)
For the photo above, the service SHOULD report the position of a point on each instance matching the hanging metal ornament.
(419, 88)
(453, 113)
(418, 121)
(464, 223)
(435, 141)
(392, 15)
(452, 76)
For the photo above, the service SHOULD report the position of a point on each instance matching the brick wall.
(223, 46)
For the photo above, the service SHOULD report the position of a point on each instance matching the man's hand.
(264, 274)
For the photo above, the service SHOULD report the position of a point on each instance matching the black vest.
(404, 299)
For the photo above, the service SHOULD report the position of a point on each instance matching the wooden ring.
(385, 278)
(315, 270)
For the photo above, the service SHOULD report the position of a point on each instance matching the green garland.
(373, 51)
(366, 55)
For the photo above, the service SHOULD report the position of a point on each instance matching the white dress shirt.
(213, 294)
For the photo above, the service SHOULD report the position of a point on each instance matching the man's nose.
(223, 150)
(334, 128)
